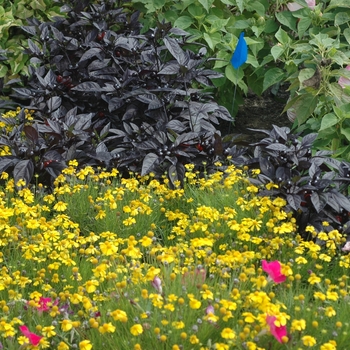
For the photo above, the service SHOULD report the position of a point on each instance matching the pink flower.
(210, 310)
(293, 6)
(274, 270)
(45, 304)
(344, 82)
(277, 332)
(346, 247)
(157, 284)
(33, 338)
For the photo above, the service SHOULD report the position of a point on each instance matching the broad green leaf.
(38, 5)
(338, 3)
(303, 25)
(282, 37)
(303, 105)
(345, 132)
(271, 26)
(196, 11)
(183, 22)
(256, 6)
(234, 75)
(240, 4)
(272, 76)
(213, 39)
(277, 51)
(341, 18)
(3, 70)
(305, 74)
(206, 4)
(347, 34)
(328, 120)
(286, 18)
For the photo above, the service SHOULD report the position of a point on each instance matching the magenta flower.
(293, 6)
(33, 338)
(157, 284)
(344, 82)
(277, 332)
(346, 247)
(274, 270)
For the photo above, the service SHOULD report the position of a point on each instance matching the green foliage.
(14, 14)
(307, 47)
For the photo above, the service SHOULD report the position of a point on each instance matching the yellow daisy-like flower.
(228, 333)
(85, 345)
(308, 340)
(136, 330)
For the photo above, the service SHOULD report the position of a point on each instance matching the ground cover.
(129, 263)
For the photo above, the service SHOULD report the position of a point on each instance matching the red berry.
(100, 36)
(59, 78)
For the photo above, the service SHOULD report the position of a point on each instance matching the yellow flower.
(308, 340)
(48, 331)
(195, 304)
(298, 325)
(228, 333)
(136, 330)
(60, 206)
(66, 325)
(85, 345)
(119, 315)
(331, 345)
(62, 346)
(106, 328)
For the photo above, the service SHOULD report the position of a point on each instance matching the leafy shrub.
(14, 14)
(296, 42)
(104, 94)
(315, 186)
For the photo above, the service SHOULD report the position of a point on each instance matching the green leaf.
(38, 5)
(303, 105)
(282, 37)
(303, 25)
(196, 11)
(338, 3)
(347, 34)
(240, 4)
(3, 70)
(277, 51)
(345, 132)
(328, 120)
(234, 75)
(272, 76)
(183, 22)
(286, 18)
(206, 4)
(213, 39)
(341, 18)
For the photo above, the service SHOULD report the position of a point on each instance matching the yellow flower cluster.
(110, 263)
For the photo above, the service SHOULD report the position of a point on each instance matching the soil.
(261, 112)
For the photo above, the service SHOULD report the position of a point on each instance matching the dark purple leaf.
(294, 201)
(148, 163)
(31, 133)
(53, 103)
(176, 50)
(94, 52)
(88, 86)
(23, 170)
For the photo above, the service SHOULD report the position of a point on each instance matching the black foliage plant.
(315, 186)
(104, 94)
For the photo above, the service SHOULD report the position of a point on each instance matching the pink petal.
(293, 6)
(277, 332)
(274, 270)
(346, 247)
(157, 284)
(34, 339)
